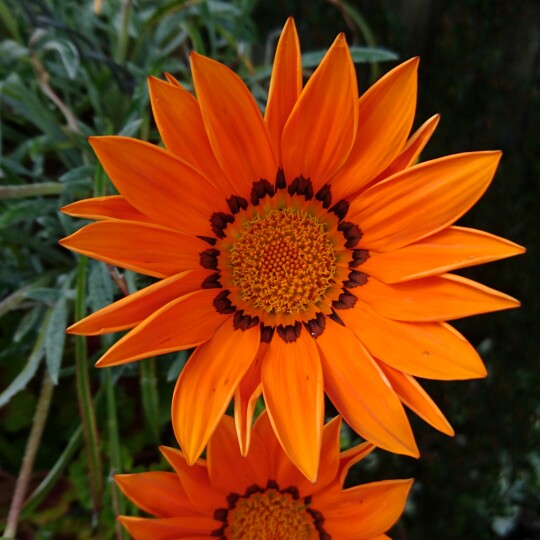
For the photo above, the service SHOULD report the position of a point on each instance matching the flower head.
(302, 252)
(261, 495)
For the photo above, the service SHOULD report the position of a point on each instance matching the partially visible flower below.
(262, 495)
(300, 253)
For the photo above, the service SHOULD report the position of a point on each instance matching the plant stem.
(118, 502)
(84, 394)
(124, 31)
(32, 446)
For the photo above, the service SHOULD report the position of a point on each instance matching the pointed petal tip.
(340, 40)
(289, 24)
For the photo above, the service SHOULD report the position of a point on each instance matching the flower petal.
(159, 252)
(196, 482)
(181, 127)
(293, 392)
(159, 184)
(285, 84)
(351, 456)
(451, 248)
(360, 392)
(421, 200)
(247, 393)
(385, 117)
(412, 150)
(430, 350)
(416, 398)
(111, 207)
(133, 309)
(158, 493)
(436, 298)
(227, 468)
(234, 125)
(168, 528)
(322, 126)
(181, 324)
(364, 511)
(207, 383)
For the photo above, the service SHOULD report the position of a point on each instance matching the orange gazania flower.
(301, 253)
(261, 495)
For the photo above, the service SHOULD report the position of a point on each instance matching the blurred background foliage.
(71, 69)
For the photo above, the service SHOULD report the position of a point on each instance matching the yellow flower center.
(270, 515)
(283, 261)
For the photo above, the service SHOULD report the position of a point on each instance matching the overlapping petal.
(159, 334)
(158, 493)
(133, 309)
(110, 207)
(181, 127)
(294, 370)
(159, 252)
(444, 189)
(357, 388)
(385, 117)
(449, 249)
(321, 129)
(234, 124)
(285, 85)
(431, 350)
(159, 184)
(207, 383)
(351, 512)
(437, 298)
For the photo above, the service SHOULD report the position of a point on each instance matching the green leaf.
(10, 51)
(68, 55)
(55, 338)
(360, 55)
(100, 289)
(31, 366)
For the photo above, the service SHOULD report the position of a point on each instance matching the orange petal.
(248, 392)
(412, 150)
(144, 248)
(416, 398)
(364, 511)
(180, 124)
(158, 493)
(430, 350)
(195, 481)
(385, 117)
(285, 84)
(111, 207)
(436, 298)
(207, 383)
(159, 184)
(181, 324)
(360, 392)
(169, 528)
(132, 309)
(293, 392)
(234, 125)
(451, 248)
(421, 200)
(329, 463)
(227, 468)
(322, 126)
(351, 456)
(289, 475)
(279, 465)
